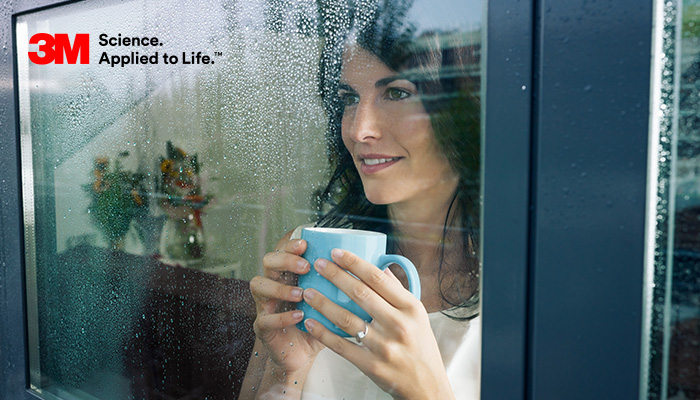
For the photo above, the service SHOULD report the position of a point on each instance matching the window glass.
(158, 175)
(670, 367)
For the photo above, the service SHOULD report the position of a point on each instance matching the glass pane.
(200, 137)
(672, 351)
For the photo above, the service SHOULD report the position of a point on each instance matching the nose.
(365, 123)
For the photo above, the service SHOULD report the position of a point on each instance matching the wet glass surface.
(673, 271)
(152, 190)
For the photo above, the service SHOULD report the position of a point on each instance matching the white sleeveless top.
(333, 377)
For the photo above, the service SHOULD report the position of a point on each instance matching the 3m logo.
(54, 46)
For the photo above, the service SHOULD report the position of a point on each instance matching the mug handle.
(413, 280)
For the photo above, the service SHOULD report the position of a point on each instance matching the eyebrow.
(385, 81)
(380, 83)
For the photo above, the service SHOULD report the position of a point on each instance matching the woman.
(404, 137)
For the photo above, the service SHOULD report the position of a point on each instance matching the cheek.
(429, 154)
(417, 136)
(345, 136)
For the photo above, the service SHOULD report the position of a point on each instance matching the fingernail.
(337, 253)
(321, 264)
(309, 294)
(310, 324)
(301, 265)
(297, 292)
(298, 314)
(297, 244)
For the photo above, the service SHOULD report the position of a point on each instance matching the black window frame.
(567, 100)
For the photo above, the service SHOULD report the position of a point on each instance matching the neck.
(423, 220)
(418, 228)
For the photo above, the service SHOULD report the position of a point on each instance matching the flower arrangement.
(117, 197)
(180, 180)
(183, 200)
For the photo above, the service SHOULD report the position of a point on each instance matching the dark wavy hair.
(444, 66)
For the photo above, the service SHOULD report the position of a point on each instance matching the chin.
(380, 197)
(379, 202)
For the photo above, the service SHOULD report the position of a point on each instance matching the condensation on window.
(139, 169)
(672, 280)
(152, 187)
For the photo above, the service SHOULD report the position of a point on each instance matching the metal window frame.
(590, 136)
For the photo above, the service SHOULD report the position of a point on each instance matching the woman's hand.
(291, 351)
(399, 352)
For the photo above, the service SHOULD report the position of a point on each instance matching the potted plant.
(117, 197)
(182, 199)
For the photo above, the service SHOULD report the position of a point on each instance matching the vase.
(182, 241)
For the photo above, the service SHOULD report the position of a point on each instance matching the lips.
(372, 163)
(375, 161)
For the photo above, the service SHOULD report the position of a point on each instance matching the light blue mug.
(368, 245)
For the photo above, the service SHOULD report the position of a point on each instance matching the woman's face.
(389, 135)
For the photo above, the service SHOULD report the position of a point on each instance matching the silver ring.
(361, 335)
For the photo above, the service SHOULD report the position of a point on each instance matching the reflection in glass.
(670, 369)
(152, 192)
(404, 142)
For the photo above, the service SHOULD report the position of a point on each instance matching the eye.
(394, 93)
(348, 98)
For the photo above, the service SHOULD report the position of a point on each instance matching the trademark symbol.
(217, 53)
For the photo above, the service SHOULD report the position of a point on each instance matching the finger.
(390, 289)
(265, 288)
(294, 246)
(374, 304)
(286, 259)
(358, 355)
(273, 322)
(391, 274)
(342, 318)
